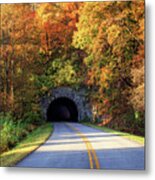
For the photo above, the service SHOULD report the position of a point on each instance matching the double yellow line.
(93, 159)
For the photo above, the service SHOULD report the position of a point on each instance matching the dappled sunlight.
(94, 134)
(30, 144)
(19, 150)
(99, 141)
(63, 145)
(81, 147)
(26, 147)
(84, 147)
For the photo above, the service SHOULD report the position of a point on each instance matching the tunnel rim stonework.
(78, 97)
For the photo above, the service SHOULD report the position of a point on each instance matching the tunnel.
(62, 109)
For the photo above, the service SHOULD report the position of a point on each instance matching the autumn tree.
(98, 46)
(111, 35)
(60, 59)
(19, 47)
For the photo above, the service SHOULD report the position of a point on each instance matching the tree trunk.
(11, 84)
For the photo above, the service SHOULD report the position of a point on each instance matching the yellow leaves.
(18, 70)
(99, 77)
(113, 33)
(104, 77)
(137, 97)
(90, 78)
(44, 88)
(32, 78)
(44, 11)
(105, 72)
(141, 29)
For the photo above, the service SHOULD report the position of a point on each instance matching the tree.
(98, 46)
(112, 41)
(19, 48)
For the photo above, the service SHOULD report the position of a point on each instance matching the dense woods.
(98, 46)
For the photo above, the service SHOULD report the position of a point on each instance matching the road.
(73, 145)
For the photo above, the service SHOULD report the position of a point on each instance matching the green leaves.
(95, 45)
(60, 72)
(108, 33)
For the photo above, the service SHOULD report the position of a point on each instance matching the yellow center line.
(90, 149)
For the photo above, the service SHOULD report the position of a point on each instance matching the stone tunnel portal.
(62, 109)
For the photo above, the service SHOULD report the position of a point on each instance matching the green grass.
(25, 147)
(132, 137)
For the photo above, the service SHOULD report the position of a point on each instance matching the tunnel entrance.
(62, 109)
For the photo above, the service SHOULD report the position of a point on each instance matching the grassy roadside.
(29, 144)
(132, 137)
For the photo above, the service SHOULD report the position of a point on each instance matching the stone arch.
(78, 97)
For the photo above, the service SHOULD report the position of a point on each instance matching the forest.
(98, 46)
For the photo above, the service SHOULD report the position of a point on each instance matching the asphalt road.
(73, 145)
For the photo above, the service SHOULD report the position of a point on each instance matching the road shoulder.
(27, 146)
(135, 138)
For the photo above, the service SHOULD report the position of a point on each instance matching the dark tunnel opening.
(62, 109)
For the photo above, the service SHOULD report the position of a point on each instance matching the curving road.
(73, 145)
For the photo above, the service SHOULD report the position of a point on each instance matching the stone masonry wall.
(83, 107)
